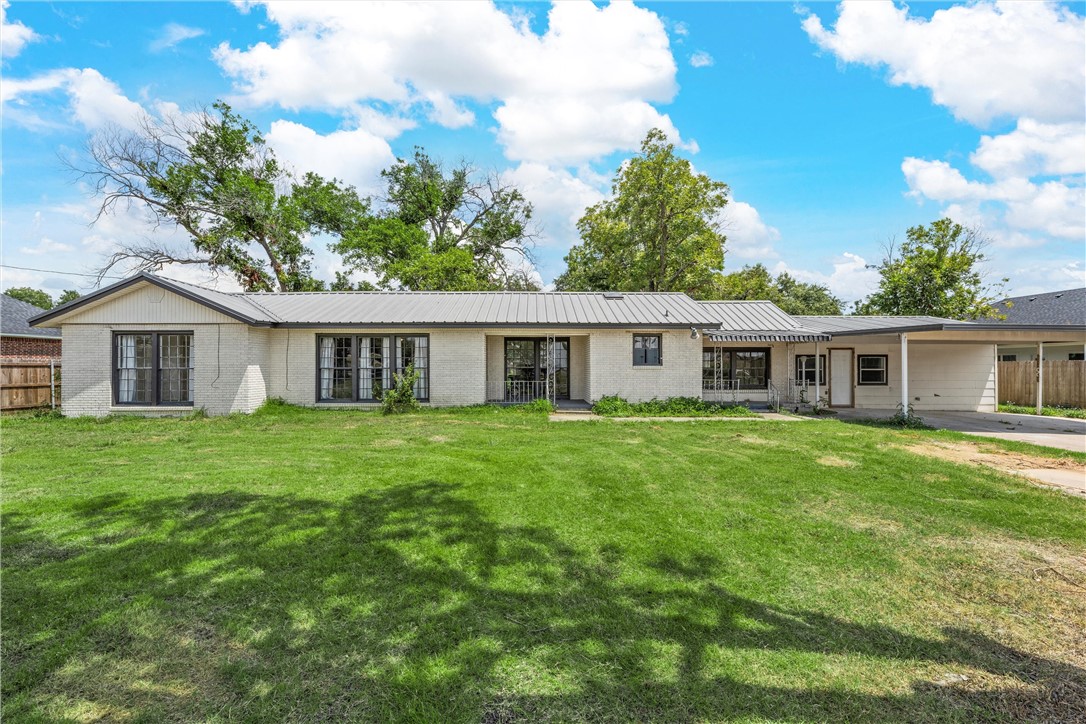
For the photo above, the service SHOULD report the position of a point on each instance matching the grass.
(1076, 412)
(486, 565)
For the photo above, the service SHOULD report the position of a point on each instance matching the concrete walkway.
(1060, 432)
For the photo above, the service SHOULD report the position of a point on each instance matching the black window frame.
(156, 367)
(356, 368)
(885, 370)
(659, 351)
(538, 350)
(821, 369)
(732, 367)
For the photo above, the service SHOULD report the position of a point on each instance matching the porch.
(521, 368)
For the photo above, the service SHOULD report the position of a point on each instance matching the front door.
(840, 378)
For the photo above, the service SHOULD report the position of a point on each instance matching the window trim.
(156, 368)
(821, 370)
(885, 371)
(659, 348)
(356, 377)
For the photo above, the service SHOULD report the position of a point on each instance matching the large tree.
(448, 229)
(39, 298)
(211, 174)
(659, 231)
(935, 271)
(794, 297)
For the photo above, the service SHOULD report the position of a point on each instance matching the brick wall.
(612, 372)
(30, 348)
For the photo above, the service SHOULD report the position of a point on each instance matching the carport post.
(1040, 376)
(905, 373)
(818, 371)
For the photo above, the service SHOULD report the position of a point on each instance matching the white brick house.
(150, 345)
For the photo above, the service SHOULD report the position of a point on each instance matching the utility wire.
(54, 271)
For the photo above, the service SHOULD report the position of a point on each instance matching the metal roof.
(1066, 307)
(757, 321)
(14, 316)
(873, 324)
(482, 308)
(309, 309)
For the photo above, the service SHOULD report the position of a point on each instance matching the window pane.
(176, 361)
(415, 352)
(375, 367)
(750, 369)
(336, 368)
(134, 370)
(646, 349)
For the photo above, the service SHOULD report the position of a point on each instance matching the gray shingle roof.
(14, 314)
(1066, 307)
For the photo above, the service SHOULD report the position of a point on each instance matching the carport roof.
(845, 326)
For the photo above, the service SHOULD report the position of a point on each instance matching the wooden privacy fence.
(25, 385)
(1064, 383)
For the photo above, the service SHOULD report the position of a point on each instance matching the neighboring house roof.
(1066, 307)
(309, 309)
(757, 321)
(14, 319)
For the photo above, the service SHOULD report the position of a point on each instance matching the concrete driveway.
(1060, 432)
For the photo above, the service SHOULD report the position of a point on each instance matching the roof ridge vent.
(612, 295)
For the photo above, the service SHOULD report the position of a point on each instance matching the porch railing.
(518, 391)
(736, 391)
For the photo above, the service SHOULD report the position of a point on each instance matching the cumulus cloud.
(16, 36)
(582, 89)
(47, 246)
(749, 237)
(701, 59)
(356, 157)
(93, 99)
(850, 279)
(173, 34)
(987, 61)
(982, 61)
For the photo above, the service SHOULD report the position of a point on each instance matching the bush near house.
(613, 406)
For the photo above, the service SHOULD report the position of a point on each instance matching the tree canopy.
(212, 175)
(448, 229)
(935, 272)
(39, 298)
(659, 231)
(794, 297)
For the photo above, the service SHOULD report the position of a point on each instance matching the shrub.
(906, 418)
(539, 405)
(401, 398)
(614, 406)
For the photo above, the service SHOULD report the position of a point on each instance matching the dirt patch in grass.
(438, 438)
(1007, 461)
(832, 461)
(389, 442)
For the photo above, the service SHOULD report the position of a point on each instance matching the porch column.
(904, 373)
(818, 371)
(1040, 376)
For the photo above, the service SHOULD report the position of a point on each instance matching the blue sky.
(836, 126)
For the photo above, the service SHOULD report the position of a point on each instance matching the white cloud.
(47, 246)
(172, 34)
(559, 198)
(749, 237)
(681, 29)
(850, 279)
(1055, 208)
(356, 157)
(583, 89)
(983, 60)
(1034, 149)
(701, 59)
(16, 36)
(94, 100)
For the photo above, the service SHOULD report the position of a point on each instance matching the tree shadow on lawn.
(410, 604)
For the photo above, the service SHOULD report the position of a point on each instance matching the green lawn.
(489, 566)
(1048, 411)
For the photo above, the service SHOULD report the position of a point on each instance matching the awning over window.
(719, 335)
